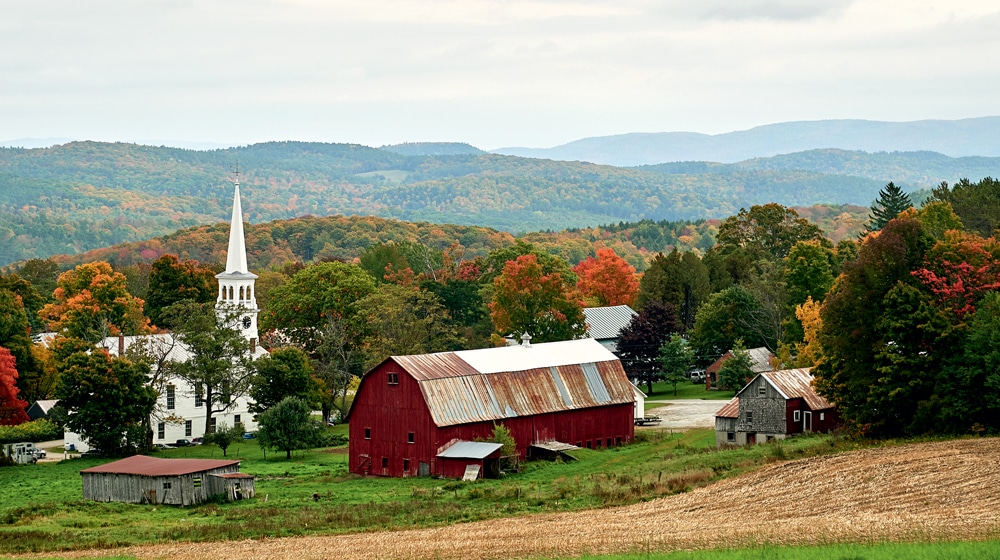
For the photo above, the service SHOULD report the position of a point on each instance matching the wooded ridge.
(84, 195)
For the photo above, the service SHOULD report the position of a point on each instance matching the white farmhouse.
(180, 411)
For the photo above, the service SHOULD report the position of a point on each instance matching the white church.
(180, 411)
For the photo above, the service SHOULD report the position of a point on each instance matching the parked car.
(249, 435)
(197, 441)
(162, 446)
(182, 443)
(698, 376)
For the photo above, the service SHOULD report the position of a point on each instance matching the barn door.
(807, 421)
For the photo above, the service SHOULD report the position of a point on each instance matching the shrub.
(36, 430)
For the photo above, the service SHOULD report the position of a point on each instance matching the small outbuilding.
(605, 323)
(40, 409)
(151, 480)
(774, 405)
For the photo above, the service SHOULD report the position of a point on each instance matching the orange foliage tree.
(607, 279)
(12, 409)
(526, 300)
(92, 301)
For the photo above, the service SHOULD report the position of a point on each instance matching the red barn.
(409, 410)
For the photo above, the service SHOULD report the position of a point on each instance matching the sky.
(531, 73)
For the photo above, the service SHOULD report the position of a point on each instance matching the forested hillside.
(85, 195)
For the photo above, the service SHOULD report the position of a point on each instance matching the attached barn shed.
(409, 409)
(774, 405)
(140, 479)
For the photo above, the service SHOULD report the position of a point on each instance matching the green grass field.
(41, 508)
(686, 390)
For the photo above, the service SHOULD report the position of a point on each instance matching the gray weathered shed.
(142, 479)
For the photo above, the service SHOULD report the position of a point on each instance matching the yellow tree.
(92, 302)
(808, 352)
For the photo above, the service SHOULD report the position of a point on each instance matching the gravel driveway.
(685, 414)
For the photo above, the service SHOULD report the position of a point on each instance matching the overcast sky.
(491, 73)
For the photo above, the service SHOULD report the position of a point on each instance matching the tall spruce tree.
(891, 201)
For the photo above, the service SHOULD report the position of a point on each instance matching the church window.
(241, 293)
(231, 292)
(170, 397)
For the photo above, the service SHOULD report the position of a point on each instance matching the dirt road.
(685, 414)
(941, 490)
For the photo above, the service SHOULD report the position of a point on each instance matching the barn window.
(161, 430)
(590, 444)
(730, 436)
(607, 442)
(368, 433)
(762, 391)
(187, 428)
(167, 485)
(822, 416)
(170, 397)
(749, 416)
(197, 482)
(410, 437)
(385, 462)
(797, 416)
(393, 378)
(406, 465)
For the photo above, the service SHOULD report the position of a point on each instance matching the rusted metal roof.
(730, 410)
(153, 466)
(797, 384)
(497, 383)
(233, 475)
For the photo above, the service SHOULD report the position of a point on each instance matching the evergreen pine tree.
(891, 201)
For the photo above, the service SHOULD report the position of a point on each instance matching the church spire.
(236, 260)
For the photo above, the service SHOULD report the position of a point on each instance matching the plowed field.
(941, 490)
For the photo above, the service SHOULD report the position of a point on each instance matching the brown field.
(919, 492)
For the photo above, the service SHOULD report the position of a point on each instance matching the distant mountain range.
(966, 137)
(85, 195)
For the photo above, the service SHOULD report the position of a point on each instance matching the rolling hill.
(85, 195)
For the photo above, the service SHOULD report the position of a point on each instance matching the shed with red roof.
(141, 479)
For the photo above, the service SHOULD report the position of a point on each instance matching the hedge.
(36, 430)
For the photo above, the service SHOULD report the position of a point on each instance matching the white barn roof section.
(469, 450)
(552, 354)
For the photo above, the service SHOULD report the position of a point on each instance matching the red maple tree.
(607, 279)
(12, 409)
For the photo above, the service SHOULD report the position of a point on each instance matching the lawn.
(41, 508)
(685, 390)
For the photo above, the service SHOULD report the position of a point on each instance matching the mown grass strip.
(964, 550)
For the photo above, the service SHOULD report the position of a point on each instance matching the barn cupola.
(237, 300)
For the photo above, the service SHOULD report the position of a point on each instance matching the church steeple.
(236, 259)
(237, 300)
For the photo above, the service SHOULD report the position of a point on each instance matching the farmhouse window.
(762, 391)
(187, 428)
(822, 416)
(749, 417)
(170, 397)
(167, 485)
(410, 437)
(236, 419)
(161, 430)
(368, 433)
(385, 462)
(211, 427)
(393, 378)
(797, 415)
